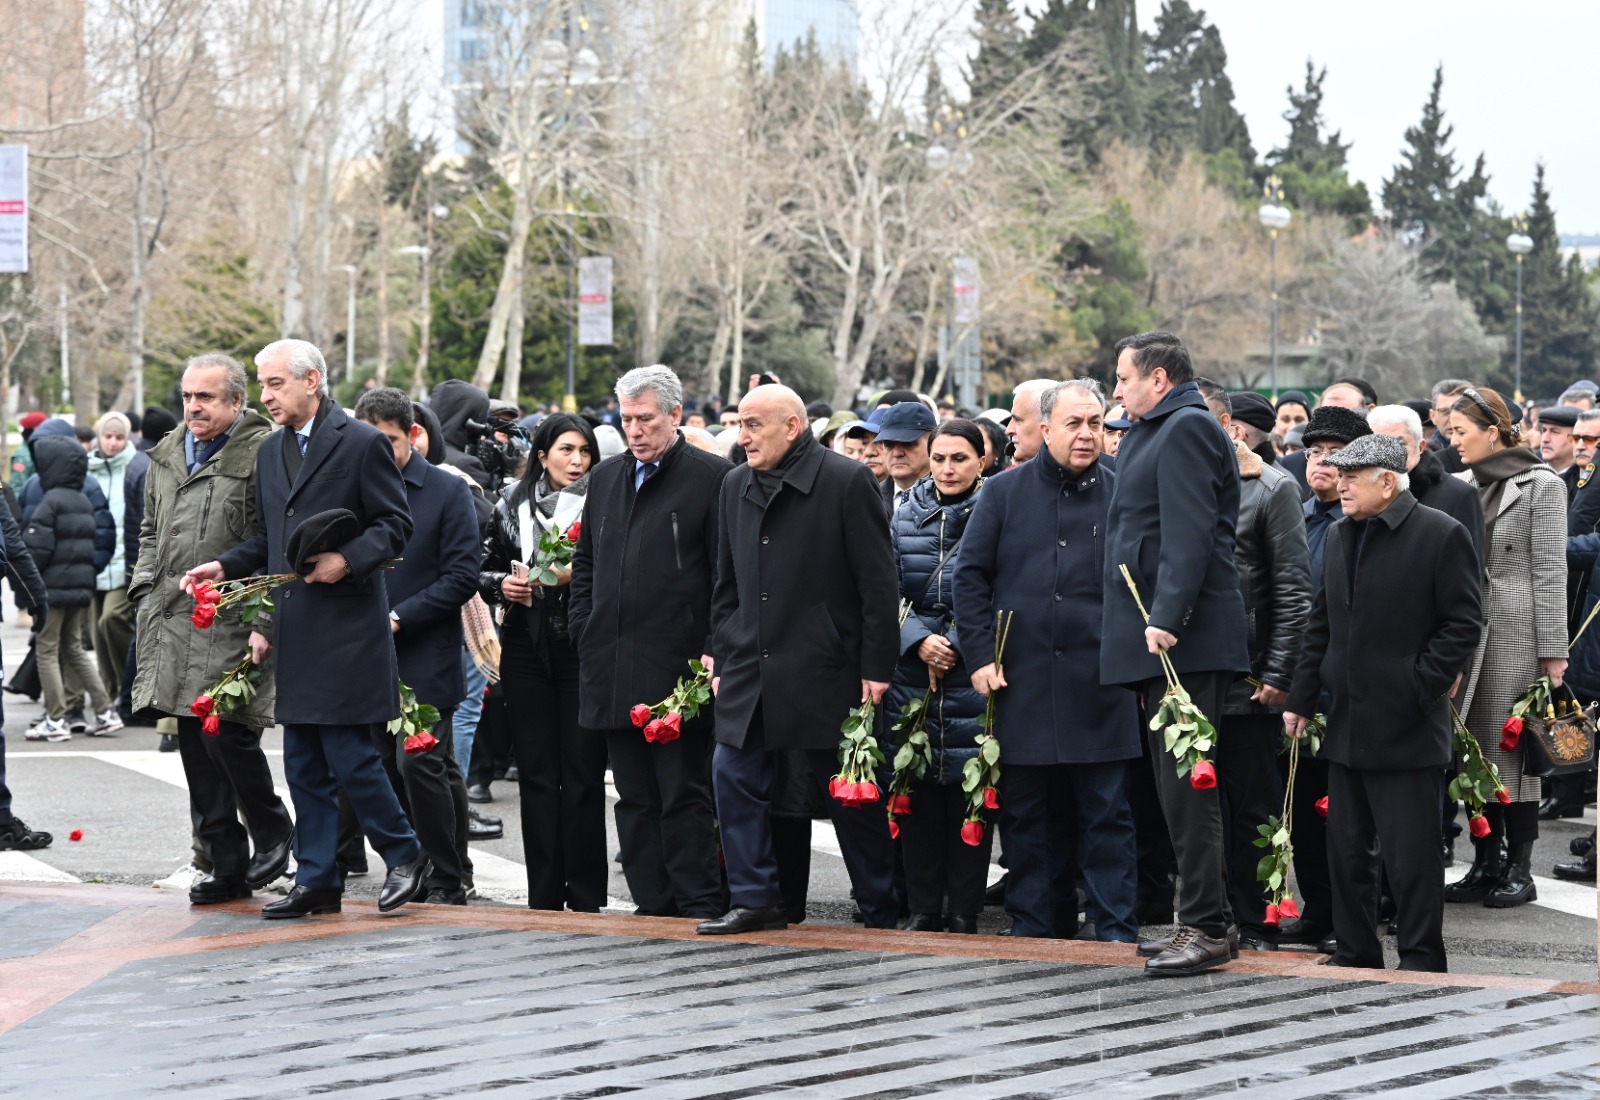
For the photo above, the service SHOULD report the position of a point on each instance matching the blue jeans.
(465, 726)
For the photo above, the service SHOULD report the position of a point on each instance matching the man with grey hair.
(640, 610)
(1024, 425)
(1583, 514)
(1578, 397)
(1430, 483)
(200, 501)
(1445, 393)
(1389, 650)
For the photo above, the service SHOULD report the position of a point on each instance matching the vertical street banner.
(964, 290)
(13, 208)
(594, 301)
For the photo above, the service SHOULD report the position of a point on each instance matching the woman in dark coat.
(926, 532)
(560, 770)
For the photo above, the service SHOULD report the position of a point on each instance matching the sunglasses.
(1586, 440)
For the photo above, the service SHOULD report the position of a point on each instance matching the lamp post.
(418, 381)
(349, 322)
(1520, 244)
(1274, 216)
(958, 365)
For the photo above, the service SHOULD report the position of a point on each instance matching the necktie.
(304, 441)
(901, 497)
(647, 471)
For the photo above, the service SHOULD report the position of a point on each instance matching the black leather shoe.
(439, 896)
(924, 922)
(480, 830)
(302, 901)
(1550, 810)
(1580, 871)
(479, 793)
(483, 819)
(1304, 932)
(404, 883)
(736, 921)
(995, 895)
(212, 890)
(1252, 942)
(1581, 846)
(1149, 949)
(268, 865)
(1190, 952)
(961, 925)
(1328, 944)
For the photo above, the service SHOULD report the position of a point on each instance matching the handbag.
(1560, 745)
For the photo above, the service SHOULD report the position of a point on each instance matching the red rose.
(835, 786)
(1504, 796)
(76, 834)
(668, 729)
(1322, 806)
(867, 792)
(900, 804)
(204, 615)
(1288, 909)
(991, 798)
(639, 715)
(1509, 740)
(652, 729)
(419, 743)
(202, 706)
(972, 833)
(573, 531)
(1273, 913)
(894, 829)
(211, 725)
(211, 595)
(1204, 776)
(674, 722)
(1513, 725)
(1479, 826)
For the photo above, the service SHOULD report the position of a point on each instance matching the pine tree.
(1558, 316)
(1312, 162)
(1110, 29)
(1190, 101)
(1419, 195)
(1000, 44)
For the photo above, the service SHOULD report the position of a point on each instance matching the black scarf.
(1493, 472)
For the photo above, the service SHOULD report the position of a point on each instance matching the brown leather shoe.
(1149, 949)
(1190, 952)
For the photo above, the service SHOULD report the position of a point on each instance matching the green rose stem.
(1189, 735)
(911, 760)
(1478, 780)
(980, 777)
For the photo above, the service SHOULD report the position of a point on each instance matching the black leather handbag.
(1560, 745)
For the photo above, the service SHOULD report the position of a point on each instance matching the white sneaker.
(106, 723)
(49, 730)
(181, 879)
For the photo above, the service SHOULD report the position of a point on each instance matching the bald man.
(803, 628)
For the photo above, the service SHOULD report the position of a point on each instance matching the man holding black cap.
(1389, 652)
(903, 432)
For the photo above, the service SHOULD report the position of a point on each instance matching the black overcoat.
(1172, 522)
(437, 573)
(1389, 652)
(804, 607)
(335, 662)
(640, 606)
(1035, 546)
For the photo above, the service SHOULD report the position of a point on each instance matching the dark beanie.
(157, 423)
(1332, 423)
(1294, 397)
(1249, 407)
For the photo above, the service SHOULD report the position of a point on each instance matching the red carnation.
(1288, 909)
(1322, 806)
(639, 715)
(1479, 826)
(867, 792)
(202, 706)
(972, 833)
(900, 804)
(419, 743)
(204, 615)
(1203, 777)
(76, 834)
(894, 829)
(572, 532)
(1273, 913)
(1504, 796)
(211, 725)
(991, 798)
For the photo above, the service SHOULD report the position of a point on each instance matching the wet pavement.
(124, 992)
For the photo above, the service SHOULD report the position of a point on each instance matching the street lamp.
(1274, 216)
(422, 251)
(349, 322)
(1520, 244)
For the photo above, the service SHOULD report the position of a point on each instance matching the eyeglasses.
(1321, 454)
(1586, 440)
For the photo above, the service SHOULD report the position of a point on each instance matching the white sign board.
(964, 290)
(13, 208)
(594, 301)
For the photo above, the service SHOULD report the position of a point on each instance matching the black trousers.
(1194, 818)
(1247, 778)
(422, 783)
(939, 864)
(1398, 812)
(491, 747)
(227, 776)
(1157, 865)
(561, 771)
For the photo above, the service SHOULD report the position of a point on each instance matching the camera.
(502, 459)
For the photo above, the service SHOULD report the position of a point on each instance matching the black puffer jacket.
(455, 402)
(60, 534)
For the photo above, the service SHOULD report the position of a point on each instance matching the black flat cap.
(1565, 416)
(1334, 424)
(321, 533)
(1251, 408)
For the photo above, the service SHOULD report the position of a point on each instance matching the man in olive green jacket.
(200, 501)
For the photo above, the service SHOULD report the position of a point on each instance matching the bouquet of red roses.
(252, 595)
(415, 723)
(980, 778)
(1277, 834)
(859, 756)
(1190, 736)
(911, 760)
(236, 688)
(663, 722)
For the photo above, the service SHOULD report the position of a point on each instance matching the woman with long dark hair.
(560, 768)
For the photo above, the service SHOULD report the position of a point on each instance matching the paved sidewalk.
(123, 992)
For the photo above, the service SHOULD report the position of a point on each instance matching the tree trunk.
(512, 382)
(712, 375)
(924, 332)
(381, 375)
(736, 361)
(494, 344)
(649, 349)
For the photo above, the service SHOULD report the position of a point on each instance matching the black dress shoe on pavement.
(1190, 952)
(1581, 846)
(270, 864)
(483, 819)
(995, 895)
(1149, 949)
(479, 793)
(1304, 932)
(1580, 871)
(404, 883)
(962, 925)
(212, 890)
(439, 896)
(302, 901)
(481, 830)
(1328, 944)
(736, 921)
(924, 922)
(1550, 809)
(1249, 941)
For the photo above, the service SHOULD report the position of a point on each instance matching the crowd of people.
(1337, 567)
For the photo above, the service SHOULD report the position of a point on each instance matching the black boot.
(1482, 877)
(1517, 887)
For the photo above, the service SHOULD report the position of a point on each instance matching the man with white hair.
(1025, 428)
(1396, 619)
(1583, 514)
(1430, 484)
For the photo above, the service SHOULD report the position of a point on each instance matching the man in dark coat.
(1172, 523)
(1065, 740)
(1430, 484)
(436, 574)
(640, 610)
(335, 668)
(803, 629)
(1389, 650)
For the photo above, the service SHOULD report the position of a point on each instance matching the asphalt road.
(130, 803)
